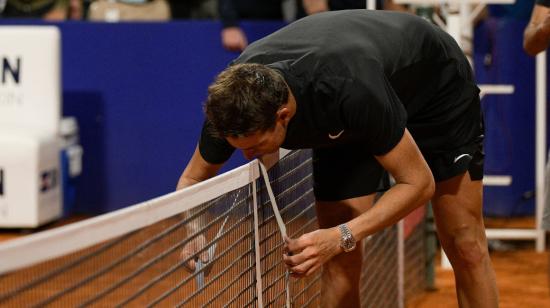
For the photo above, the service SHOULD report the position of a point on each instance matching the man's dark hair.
(244, 99)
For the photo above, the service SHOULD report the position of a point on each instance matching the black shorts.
(350, 171)
(347, 172)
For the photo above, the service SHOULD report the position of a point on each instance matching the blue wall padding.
(510, 119)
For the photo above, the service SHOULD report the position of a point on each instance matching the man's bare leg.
(457, 205)
(340, 278)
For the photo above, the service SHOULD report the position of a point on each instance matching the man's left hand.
(310, 251)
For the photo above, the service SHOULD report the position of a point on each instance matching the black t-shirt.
(543, 2)
(362, 76)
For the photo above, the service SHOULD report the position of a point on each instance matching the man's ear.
(283, 114)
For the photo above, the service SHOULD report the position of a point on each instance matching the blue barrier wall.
(510, 119)
(137, 88)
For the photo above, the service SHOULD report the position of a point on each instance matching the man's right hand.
(191, 249)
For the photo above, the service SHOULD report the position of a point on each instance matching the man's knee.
(471, 250)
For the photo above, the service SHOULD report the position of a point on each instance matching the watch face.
(349, 245)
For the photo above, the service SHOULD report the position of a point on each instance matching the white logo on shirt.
(335, 136)
(460, 156)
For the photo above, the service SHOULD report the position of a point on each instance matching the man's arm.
(233, 37)
(414, 187)
(197, 170)
(537, 33)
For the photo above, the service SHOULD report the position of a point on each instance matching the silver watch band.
(347, 242)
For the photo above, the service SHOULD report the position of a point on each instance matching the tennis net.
(132, 257)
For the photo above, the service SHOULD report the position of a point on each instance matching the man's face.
(261, 142)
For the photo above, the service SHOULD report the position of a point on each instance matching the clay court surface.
(522, 274)
(522, 277)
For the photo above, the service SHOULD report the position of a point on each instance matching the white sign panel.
(30, 78)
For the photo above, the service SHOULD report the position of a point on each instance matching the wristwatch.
(347, 242)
